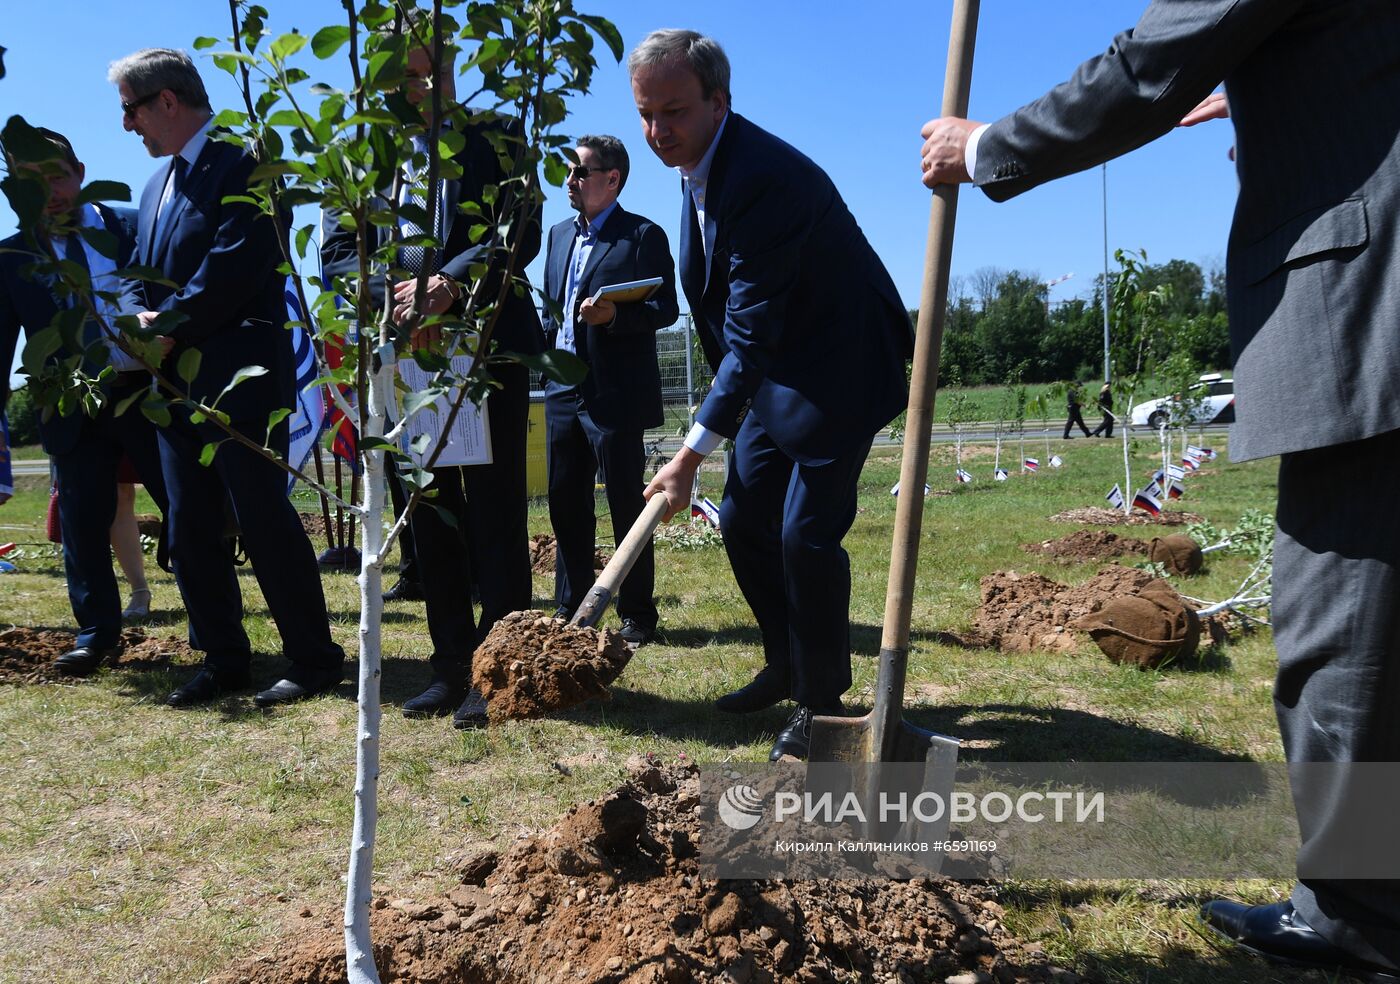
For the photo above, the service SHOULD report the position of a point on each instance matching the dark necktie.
(692, 246)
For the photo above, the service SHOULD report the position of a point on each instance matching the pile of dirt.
(531, 665)
(542, 555)
(314, 524)
(1025, 612)
(613, 893)
(1087, 545)
(1103, 516)
(27, 654)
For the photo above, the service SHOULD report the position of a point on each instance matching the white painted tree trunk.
(359, 953)
(1127, 475)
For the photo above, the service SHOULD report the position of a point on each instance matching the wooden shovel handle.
(596, 602)
(928, 342)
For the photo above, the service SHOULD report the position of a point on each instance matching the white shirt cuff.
(702, 440)
(970, 153)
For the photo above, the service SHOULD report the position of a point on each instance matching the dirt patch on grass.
(1025, 612)
(542, 554)
(27, 654)
(531, 665)
(314, 524)
(613, 893)
(1087, 545)
(1103, 516)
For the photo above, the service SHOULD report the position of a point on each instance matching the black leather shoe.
(85, 660)
(440, 698)
(472, 712)
(404, 590)
(795, 739)
(206, 686)
(564, 613)
(1278, 934)
(635, 634)
(287, 690)
(765, 690)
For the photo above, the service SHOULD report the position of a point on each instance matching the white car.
(1213, 396)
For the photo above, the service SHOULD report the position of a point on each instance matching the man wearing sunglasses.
(601, 422)
(220, 263)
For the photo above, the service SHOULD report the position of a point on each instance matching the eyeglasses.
(582, 171)
(129, 109)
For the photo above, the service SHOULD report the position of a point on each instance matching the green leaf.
(277, 416)
(156, 410)
(288, 45)
(103, 191)
(556, 364)
(201, 43)
(240, 377)
(126, 402)
(40, 346)
(418, 399)
(188, 366)
(206, 454)
(420, 443)
(327, 40)
(101, 240)
(303, 237)
(230, 118)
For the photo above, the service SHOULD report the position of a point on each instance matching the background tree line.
(999, 323)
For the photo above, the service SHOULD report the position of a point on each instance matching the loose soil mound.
(1087, 545)
(1023, 612)
(1103, 516)
(542, 555)
(314, 524)
(531, 665)
(27, 655)
(613, 893)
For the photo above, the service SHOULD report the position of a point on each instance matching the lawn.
(138, 843)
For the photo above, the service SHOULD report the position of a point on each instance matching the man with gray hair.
(601, 422)
(220, 261)
(808, 339)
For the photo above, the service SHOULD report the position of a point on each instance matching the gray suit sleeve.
(1131, 94)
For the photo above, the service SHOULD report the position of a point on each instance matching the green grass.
(141, 843)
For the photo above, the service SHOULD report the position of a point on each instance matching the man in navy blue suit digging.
(808, 339)
(222, 259)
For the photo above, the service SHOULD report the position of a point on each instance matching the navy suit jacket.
(623, 385)
(223, 259)
(800, 320)
(518, 326)
(28, 303)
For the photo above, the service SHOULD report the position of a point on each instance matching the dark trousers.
(578, 448)
(277, 546)
(1075, 417)
(87, 505)
(1105, 426)
(783, 524)
(491, 543)
(1336, 620)
(444, 563)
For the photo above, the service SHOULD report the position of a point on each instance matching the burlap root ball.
(1178, 553)
(1145, 629)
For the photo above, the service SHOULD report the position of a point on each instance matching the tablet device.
(630, 292)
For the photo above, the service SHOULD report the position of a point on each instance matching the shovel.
(600, 596)
(882, 735)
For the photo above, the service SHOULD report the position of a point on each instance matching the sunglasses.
(130, 108)
(581, 171)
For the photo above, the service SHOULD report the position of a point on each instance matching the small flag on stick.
(1115, 497)
(1147, 502)
(1001, 475)
(964, 476)
(1174, 490)
(894, 489)
(705, 510)
(1031, 464)
(1056, 461)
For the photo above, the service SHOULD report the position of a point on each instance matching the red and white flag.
(1147, 502)
(964, 476)
(1031, 464)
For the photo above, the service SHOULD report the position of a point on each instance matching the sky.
(849, 85)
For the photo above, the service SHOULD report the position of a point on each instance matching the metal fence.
(685, 377)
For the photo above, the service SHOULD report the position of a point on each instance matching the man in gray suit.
(1313, 264)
